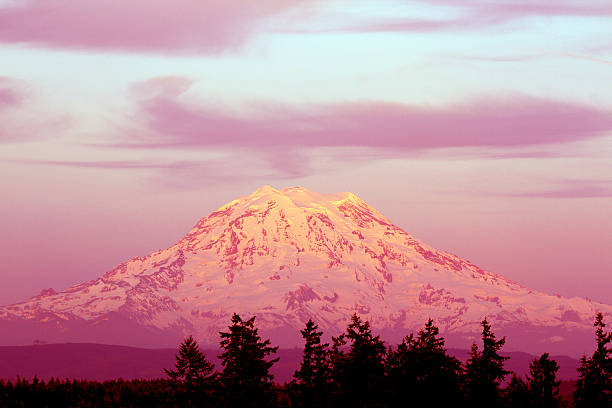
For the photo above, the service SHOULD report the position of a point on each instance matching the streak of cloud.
(169, 120)
(464, 15)
(157, 26)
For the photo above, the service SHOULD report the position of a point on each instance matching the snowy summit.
(293, 254)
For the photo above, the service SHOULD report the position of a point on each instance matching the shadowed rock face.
(290, 255)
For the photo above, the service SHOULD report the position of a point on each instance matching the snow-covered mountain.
(293, 254)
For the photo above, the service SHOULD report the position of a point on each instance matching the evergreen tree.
(543, 384)
(192, 369)
(485, 370)
(191, 364)
(313, 377)
(420, 367)
(517, 393)
(358, 373)
(594, 386)
(246, 377)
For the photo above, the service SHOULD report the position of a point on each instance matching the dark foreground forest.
(356, 370)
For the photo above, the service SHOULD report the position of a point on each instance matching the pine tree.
(485, 370)
(313, 377)
(359, 374)
(420, 367)
(192, 369)
(246, 374)
(517, 393)
(594, 386)
(543, 384)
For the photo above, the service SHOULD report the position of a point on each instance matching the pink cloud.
(111, 165)
(21, 121)
(199, 26)
(172, 121)
(180, 174)
(572, 189)
(520, 9)
(531, 57)
(475, 14)
(8, 97)
(10, 94)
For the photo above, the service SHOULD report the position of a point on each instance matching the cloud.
(536, 56)
(293, 141)
(20, 121)
(11, 98)
(111, 165)
(469, 15)
(169, 119)
(159, 26)
(210, 26)
(571, 189)
(181, 173)
(10, 93)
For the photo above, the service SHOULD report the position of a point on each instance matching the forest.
(357, 369)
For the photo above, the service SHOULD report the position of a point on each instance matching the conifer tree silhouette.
(517, 393)
(594, 386)
(543, 384)
(358, 373)
(314, 375)
(192, 369)
(246, 377)
(484, 371)
(420, 367)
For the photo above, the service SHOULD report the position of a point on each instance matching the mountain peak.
(300, 196)
(292, 254)
(263, 190)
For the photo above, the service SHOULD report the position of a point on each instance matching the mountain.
(293, 254)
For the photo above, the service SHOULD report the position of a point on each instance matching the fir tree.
(485, 370)
(517, 393)
(191, 364)
(246, 374)
(192, 370)
(313, 377)
(543, 384)
(359, 374)
(594, 386)
(420, 367)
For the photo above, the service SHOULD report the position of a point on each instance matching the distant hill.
(104, 362)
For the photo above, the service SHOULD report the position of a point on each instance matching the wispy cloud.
(570, 189)
(10, 96)
(535, 56)
(111, 165)
(284, 140)
(233, 166)
(10, 93)
(20, 120)
(160, 26)
(466, 15)
(169, 120)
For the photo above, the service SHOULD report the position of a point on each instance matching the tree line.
(356, 370)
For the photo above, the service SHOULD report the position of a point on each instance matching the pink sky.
(482, 127)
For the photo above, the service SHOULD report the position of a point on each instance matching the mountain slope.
(290, 255)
